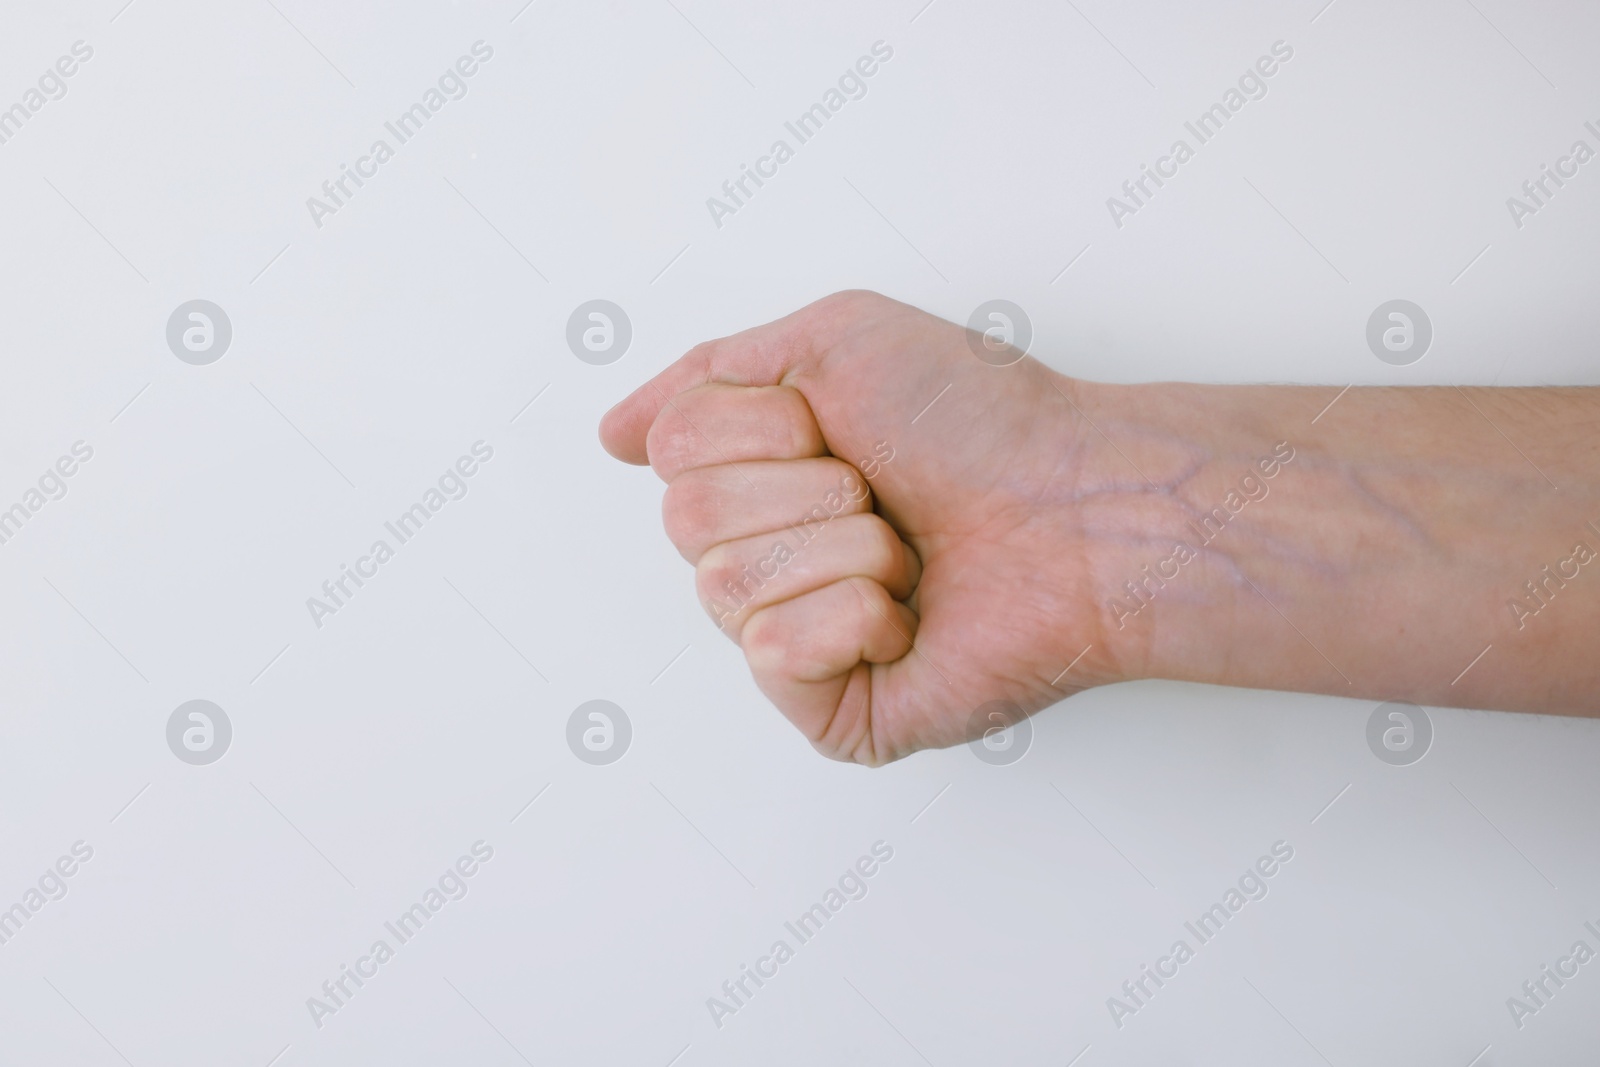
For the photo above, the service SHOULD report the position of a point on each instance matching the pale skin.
(997, 544)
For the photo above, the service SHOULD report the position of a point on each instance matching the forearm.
(1412, 529)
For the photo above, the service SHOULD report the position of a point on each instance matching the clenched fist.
(898, 533)
(877, 558)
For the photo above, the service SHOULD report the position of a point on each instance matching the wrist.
(1184, 488)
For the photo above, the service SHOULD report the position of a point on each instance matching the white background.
(371, 352)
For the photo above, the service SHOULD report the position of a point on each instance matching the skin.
(1027, 521)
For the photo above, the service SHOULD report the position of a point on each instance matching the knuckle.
(849, 492)
(874, 605)
(883, 548)
(798, 421)
(717, 568)
(837, 309)
(846, 301)
(703, 351)
(671, 442)
(765, 643)
(878, 614)
(688, 510)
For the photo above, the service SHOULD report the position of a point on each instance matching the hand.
(891, 613)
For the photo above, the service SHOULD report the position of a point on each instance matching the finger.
(709, 505)
(763, 355)
(736, 579)
(757, 356)
(808, 656)
(716, 423)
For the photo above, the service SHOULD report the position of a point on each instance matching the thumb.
(762, 355)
